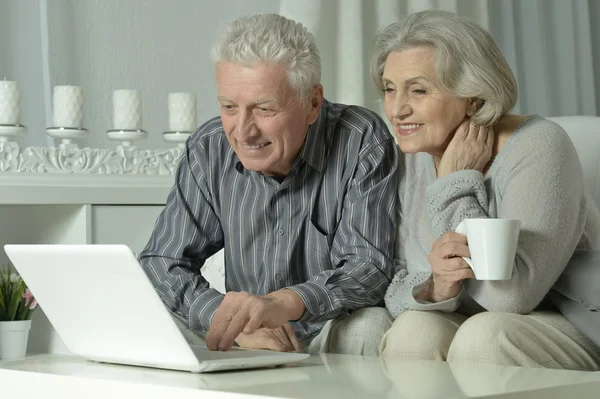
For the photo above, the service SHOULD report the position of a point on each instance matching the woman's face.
(423, 117)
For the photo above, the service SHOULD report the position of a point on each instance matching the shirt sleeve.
(186, 233)
(541, 184)
(362, 247)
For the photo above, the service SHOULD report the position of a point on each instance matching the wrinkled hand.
(470, 148)
(448, 267)
(281, 339)
(243, 312)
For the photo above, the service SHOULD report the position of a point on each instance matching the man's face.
(264, 120)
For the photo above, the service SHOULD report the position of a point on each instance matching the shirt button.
(298, 334)
(280, 232)
(278, 277)
(322, 307)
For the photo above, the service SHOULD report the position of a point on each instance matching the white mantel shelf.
(69, 175)
(68, 158)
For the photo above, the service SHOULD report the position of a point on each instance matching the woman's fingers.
(489, 139)
(449, 237)
(475, 131)
(463, 131)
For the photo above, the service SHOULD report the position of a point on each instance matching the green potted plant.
(17, 305)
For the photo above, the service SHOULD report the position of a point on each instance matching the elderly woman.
(448, 93)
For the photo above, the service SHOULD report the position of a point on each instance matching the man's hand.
(281, 339)
(243, 312)
(448, 267)
(470, 148)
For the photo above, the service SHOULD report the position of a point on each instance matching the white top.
(320, 376)
(535, 178)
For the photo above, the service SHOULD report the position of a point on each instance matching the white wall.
(550, 45)
(21, 60)
(157, 46)
(3, 38)
(162, 46)
(595, 31)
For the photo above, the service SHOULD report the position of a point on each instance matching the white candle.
(10, 103)
(67, 106)
(127, 110)
(182, 112)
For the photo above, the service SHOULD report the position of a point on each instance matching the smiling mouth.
(255, 147)
(408, 128)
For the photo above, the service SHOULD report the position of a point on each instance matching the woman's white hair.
(468, 61)
(273, 39)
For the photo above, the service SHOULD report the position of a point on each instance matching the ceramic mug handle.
(462, 229)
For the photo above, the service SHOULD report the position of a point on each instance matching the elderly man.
(300, 192)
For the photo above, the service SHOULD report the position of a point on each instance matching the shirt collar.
(314, 150)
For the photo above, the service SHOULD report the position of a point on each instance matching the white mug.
(493, 246)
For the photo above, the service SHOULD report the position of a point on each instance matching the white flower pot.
(13, 338)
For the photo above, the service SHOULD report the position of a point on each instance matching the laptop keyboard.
(202, 353)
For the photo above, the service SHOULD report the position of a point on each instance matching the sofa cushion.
(576, 294)
(585, 320)
(584, 132)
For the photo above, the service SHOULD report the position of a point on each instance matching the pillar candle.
(10, 103)
(127, 110)
(67, 109)
(182, 112)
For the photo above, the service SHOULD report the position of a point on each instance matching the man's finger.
(254, 323)
(274, 344)
(234, 329)
(218, 327)
(285, 339)
(293, 338)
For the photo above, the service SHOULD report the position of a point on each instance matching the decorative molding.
(71, 159)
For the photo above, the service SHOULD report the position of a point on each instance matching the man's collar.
(314, 150)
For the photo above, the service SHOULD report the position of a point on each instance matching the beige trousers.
(359, 333)
(539, 339)
(356, 334)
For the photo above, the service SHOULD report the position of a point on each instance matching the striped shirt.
(325, 231)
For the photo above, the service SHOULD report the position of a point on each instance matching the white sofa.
(584, 132)
(576, 294)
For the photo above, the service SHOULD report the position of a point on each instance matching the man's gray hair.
(273, 39)
(468, 62)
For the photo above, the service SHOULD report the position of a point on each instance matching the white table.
(325, 376)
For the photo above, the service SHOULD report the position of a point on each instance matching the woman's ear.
(474, 105)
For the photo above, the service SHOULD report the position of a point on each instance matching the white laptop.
(105, 309)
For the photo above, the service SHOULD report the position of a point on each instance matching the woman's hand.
(448, 267)
(470, 148)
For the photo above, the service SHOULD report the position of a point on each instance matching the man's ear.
(315, 102)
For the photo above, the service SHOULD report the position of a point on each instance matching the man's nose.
(244, 126)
